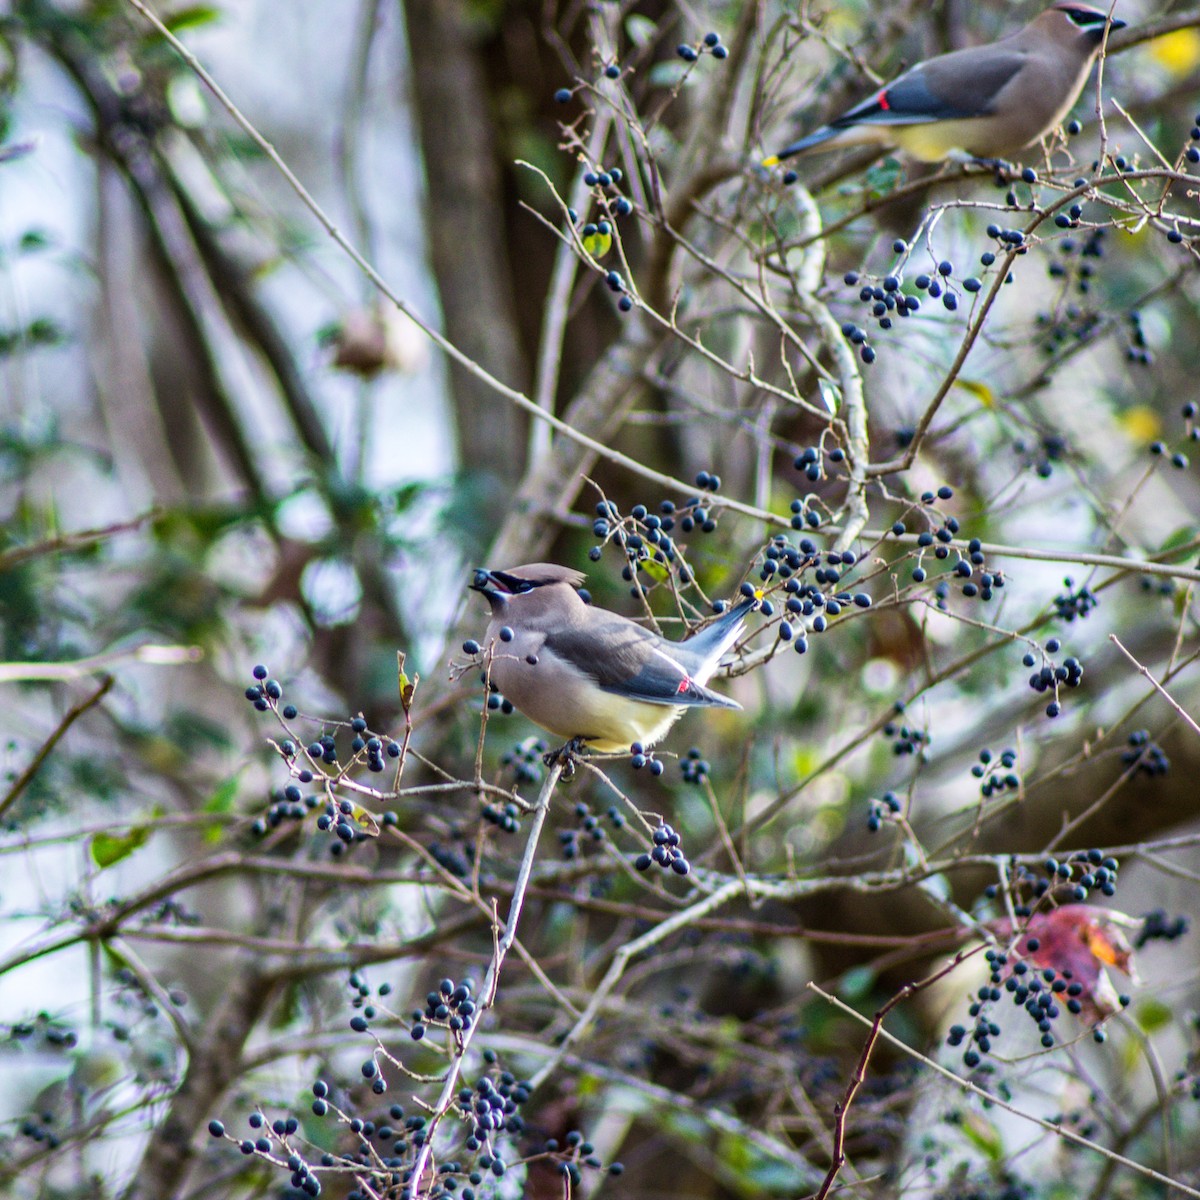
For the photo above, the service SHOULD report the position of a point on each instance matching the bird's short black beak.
(1116, 23)
(482, 581)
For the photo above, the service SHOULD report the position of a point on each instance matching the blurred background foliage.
(219, 446)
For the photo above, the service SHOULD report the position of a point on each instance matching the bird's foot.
(1003, 168)
(565, 756)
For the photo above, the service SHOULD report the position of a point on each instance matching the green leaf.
(1152, 1015)
(1182, 537)
(221, 801)
(984, 1136)
(856, 983)
(669, 73)
(192, 17)
(107, 849)
(407, 686)
(882, 179)
(640, 30)
(33, 240)
(937, 886)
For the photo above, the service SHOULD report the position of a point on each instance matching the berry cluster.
(525, 758)
(1075, 266)
(495, 703)
(1137, 351)
(1179, 460)
(887, 806)
(1157, 926)
(451, 1007)
(904, 738)
(1078, 875)
(1191, 153)
(458, 863)
(811, 461)
(1144, 756)
(39, 1130)
(340, 817)
(646, 537)
(385, 1148)
(711, 44)
(1071, 604)
(304, 1180)
(1069, 673)
(885, 299)
(666, 852)
(807, 608)
(695, 769)
(365, 746)
(1050, 449)
(505, 819)
(1188, 412)
(596, 235)
(970, 570)
(576, 1154)
(265, 692)
(941, 283)
(1037, 992)
(998, 774)
(589, 827)
(641, 757)
(287, 804)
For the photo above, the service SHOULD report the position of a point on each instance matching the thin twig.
(842, 1108)
(995, 1101)
(1158, 687)
(70, 717)
(503, 945)
(630, 950)
(71, 541)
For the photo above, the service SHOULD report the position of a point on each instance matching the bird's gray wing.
(627, 660)
(951, 87)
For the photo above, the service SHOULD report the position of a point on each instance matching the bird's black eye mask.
(488, 580)
(1091, 20)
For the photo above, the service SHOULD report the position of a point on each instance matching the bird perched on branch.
(590, 675)
(984, 102)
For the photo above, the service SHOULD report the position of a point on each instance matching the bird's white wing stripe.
(710, 664)
(673, 661)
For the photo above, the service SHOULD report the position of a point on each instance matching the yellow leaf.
(1140, 422)
(598, 244)
(979, 390)
(364, 820)
(1178, 52)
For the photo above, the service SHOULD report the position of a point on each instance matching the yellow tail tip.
(772, 161)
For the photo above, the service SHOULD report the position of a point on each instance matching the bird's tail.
(816, 138)
(701, 653)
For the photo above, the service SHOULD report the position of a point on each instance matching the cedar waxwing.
(983, 102)
(586, 673)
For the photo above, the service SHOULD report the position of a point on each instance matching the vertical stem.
(450, 1085)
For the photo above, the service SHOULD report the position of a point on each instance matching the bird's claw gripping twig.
(565, 755)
